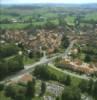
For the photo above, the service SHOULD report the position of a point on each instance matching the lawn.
(28, 61)
(74, 81)
(70, 20)
(56, 72)
(14, 26)
(91, 16)
(2, 96)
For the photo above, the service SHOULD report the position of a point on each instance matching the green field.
(40, 15)
(74, 81)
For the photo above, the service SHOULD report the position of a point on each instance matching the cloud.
(46, 1)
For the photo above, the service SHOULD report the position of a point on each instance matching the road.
(69, 73)
(69, 48)
(29, 68)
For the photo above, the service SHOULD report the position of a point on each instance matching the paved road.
(29, 68)
(70, 73)
(69, 48)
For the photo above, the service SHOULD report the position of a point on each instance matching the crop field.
(20, 17)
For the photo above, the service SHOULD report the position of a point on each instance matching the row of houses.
(48, 40)
(79, 66)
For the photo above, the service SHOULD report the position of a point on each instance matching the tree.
(95, 90)
(87, 58)
(8, 50)
(3, 69)
(34, 83)
(50, 25)
(62, 22)
(12, 65)
(20, 45)
(31, 54)
(71, 94)
(83, 86)
(68, 80)
(43, 88)
(1, 87)
(77, 23)
(20, 96)
(65, 41)
(30, 91)
(42, 72)
(58, 98)
(90, 86)
(10, 91)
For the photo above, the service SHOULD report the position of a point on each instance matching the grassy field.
(38, 16)
(29, 61)
(14, 26)
(2, 96)
(70, 20)
(91, 16)
(74, 81)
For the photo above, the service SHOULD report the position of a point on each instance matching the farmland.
(48, 52)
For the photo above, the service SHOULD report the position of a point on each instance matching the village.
(48, 52)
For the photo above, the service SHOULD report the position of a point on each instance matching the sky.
(46, 1)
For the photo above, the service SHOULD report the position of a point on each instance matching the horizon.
(48, 2)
